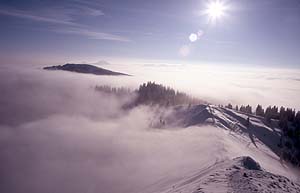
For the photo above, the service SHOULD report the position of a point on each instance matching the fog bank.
(57, 134)
(225, 84)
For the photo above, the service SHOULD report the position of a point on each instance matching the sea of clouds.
(57, 134)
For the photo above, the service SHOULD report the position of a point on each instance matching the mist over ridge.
(62, 129)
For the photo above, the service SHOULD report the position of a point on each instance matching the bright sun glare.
(215, 10)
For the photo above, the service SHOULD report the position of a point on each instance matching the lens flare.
(184, 50)
(193, 37)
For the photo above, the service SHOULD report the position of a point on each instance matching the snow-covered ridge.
(247, 125)
(242, 174)
(254, 136)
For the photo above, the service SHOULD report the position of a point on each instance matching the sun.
(215, 10)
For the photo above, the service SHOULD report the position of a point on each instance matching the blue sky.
(256, 32)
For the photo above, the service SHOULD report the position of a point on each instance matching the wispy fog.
(57, 134)
(223, 84)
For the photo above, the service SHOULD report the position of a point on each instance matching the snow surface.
(240, 175)
(229, 174)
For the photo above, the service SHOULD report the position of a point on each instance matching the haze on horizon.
(243, 52)
(260, 33)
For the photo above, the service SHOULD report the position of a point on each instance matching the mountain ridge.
(241, 174)
(249, 172)
(85, 69)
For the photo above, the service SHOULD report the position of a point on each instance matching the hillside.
(239, 175)
(249, 134)
(256, 129)
(86, 69)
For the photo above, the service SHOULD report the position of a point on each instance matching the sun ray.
(215, 10)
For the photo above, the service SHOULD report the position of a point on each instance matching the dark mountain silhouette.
(85, 68)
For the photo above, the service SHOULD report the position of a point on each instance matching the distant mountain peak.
(85, 68)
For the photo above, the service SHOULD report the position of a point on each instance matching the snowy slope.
(256, 132)
(240, 175)
(229, 174)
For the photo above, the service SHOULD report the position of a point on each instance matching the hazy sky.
(256, 32)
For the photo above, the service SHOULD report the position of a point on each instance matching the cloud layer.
(223, 84)
(58, 135)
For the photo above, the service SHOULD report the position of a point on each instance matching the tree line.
(285, 116)
(121, 91)
(287, 119)
(151, 93)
